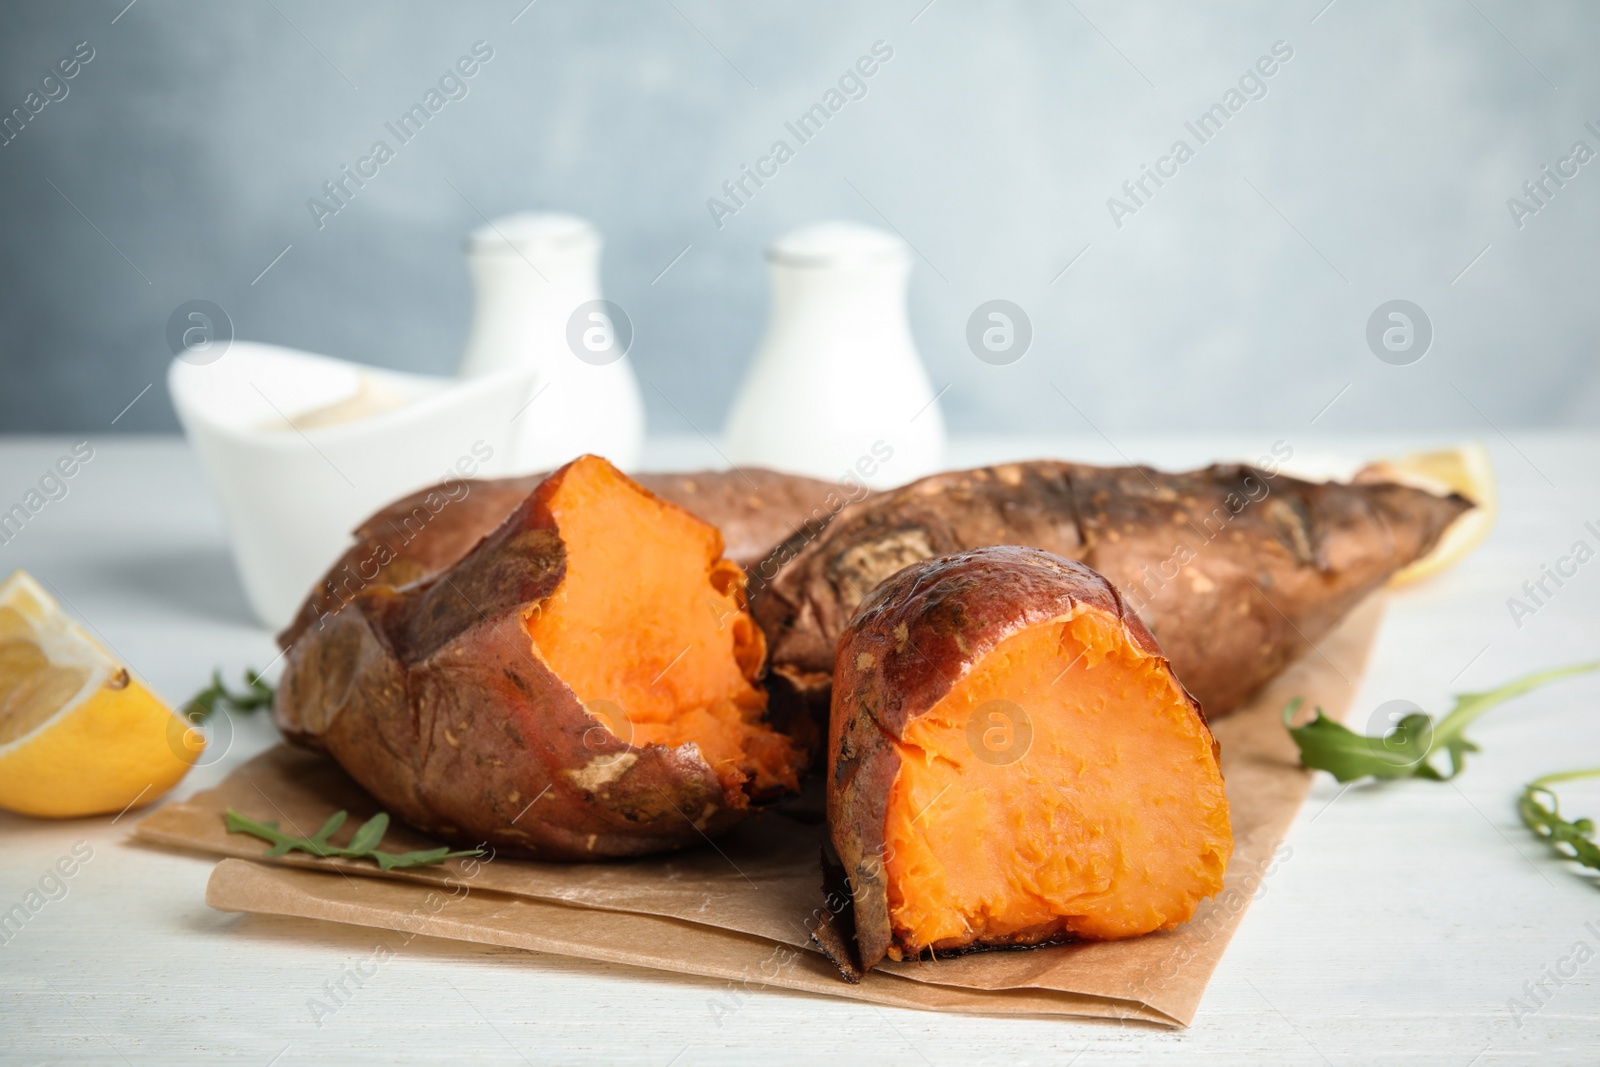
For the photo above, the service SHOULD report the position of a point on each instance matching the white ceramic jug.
(837, 390)
(537, 278)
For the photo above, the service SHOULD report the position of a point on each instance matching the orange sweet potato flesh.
(650, 621)
(1012, 762)
(579, 685)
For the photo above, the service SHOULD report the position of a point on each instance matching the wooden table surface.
(1407, 921)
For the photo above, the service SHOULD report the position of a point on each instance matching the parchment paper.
(742, 909)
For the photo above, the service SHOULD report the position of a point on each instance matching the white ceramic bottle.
(837, 390)
(537, 278)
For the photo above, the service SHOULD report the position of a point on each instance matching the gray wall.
(1377, 166)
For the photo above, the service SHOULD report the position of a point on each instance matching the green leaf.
(238, 823)
(1547, 822)
(257, 694)
(1409, 749)
(431, 856)
(371, 833)
(421, 858)
(362, 844)
(204, 702)
(335, 821)
(1330, 746)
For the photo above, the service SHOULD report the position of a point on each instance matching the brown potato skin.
(431, 698)
(913, 637)
(420, 535)
(1264, 579)
(754, 508)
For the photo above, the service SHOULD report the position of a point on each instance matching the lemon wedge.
(1464, 469)
(79, 735)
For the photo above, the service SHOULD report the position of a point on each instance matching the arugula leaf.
(257, 694)
(371, 833)
(1546, 822)
(1408, 750)
(362, 845)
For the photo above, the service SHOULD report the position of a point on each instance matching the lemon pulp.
(79, 735)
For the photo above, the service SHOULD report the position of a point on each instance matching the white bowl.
(299, 448)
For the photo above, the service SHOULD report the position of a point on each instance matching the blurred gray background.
(1377, 166)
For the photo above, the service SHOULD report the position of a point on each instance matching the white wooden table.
(1406, 919)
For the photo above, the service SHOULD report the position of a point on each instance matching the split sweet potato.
(422, 534)
(1236, 570)
(1013, 762)
(580, 684)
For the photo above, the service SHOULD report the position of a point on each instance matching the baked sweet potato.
(1011, 761)
(580, 684)
(420, 535)
(1235, 569)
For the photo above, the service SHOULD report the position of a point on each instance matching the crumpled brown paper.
(742, 909)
